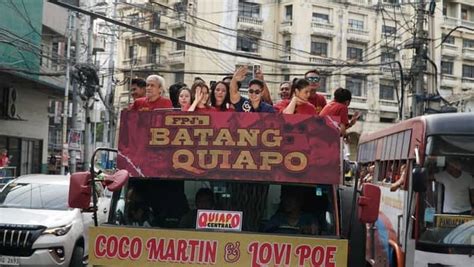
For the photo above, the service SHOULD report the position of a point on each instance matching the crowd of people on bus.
(391, 173)
(299, 96)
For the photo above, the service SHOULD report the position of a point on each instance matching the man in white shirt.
(458, 188)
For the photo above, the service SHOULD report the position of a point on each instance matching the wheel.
(77, 257)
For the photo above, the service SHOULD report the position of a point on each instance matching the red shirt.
(4, 161)
(319, 101)
(143, 104)
(336, 109)
(305, 108)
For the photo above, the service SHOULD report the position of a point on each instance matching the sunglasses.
(313, 79)
(257, 92)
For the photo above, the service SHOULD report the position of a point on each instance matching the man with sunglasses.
(318, 100)
(256, 87)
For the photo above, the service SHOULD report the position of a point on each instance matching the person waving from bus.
(200, 90)
(339, 107)
(155, 85)
(299, 104)
(458, 188)
(220, 96)
(252, 104)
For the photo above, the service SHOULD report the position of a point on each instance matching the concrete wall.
(31, 106)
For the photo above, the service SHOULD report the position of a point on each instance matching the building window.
(354, 52)
(464, 13)
(447, 67)
(247, 43)
(468, 43)
(387, 120)
(356, 24)
(179, 77)
(247, 9)
(356, 85)
(445, 10)
(322, 85)
(154, 55)
(389, 30)
(321, 18)
(180, 6)
(449, 40)
(181, 46)
(287, 46)
(289, 12)
(467, 71)
(319, 48)
(388, 55)
(134, 19)
(132, 52)
(386, 92)
(156, 21)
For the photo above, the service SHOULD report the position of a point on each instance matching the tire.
(77, 257)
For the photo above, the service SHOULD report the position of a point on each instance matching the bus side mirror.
(117, 180)
(369, 203)
(418, 179)
(80, 190)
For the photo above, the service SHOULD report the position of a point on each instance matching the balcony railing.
(320, 60)
(321, 25)
(250, 20)
(250, 24)
(449, 21)
(286, 26)
(357, 31)
(176, 57)
(468, 52)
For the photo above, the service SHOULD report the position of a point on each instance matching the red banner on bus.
(231, 146)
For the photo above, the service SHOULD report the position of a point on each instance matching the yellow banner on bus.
(112, 246)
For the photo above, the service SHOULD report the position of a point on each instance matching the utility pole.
(109, 122)
(64, 156)
(74, 123)
(419, 66)
(87, 128)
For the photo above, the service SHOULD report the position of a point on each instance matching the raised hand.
(240, 73)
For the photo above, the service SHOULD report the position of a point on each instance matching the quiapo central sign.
(237, 146)
(114, 246)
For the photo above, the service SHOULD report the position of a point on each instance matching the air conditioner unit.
(10, 99)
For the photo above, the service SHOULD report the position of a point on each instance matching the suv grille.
(18, 239)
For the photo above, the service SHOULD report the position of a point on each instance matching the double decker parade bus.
(227, 189)
(424, 167)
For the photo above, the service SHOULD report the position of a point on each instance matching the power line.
(162, 36)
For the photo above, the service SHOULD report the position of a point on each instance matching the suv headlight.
(58, 231)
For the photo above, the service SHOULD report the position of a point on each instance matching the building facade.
(455, 53)
(317, 32)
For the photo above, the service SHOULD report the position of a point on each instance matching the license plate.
(9, 260)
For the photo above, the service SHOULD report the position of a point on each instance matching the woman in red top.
(299, 104)
(220, 97)
(185, 97)
(200, 90)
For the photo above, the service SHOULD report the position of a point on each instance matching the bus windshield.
(449, 199)
(266, 208)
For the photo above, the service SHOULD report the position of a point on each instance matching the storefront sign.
(238, 146)
(114, 246)
(219, 220)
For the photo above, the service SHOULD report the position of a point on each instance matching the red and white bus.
(424, 168)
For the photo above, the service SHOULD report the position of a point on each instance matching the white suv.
(38, 228)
